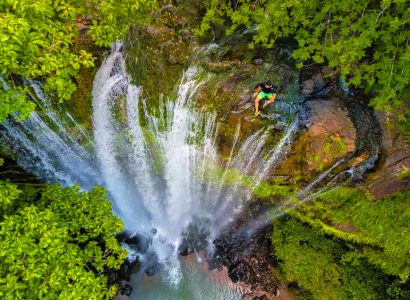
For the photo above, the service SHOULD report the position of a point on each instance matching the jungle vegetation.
(37, 41)
(57, 243)
(353, 246)
(365, 42)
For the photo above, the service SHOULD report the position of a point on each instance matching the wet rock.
(396, 150)
(308, 88)
(122, 276)
(152, 31)
(329, 135)
(248, 254)
(168, 8)
(125, 289)
(258, 61)
(388, 186)
(137, 241)
(150, 271)
(186, 34)
(185, 248)
(317, 82)
(221, 66)
(195, 238)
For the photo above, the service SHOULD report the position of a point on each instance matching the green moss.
(404, 175)
(334, 146)
(158, 54)
(383, 225)
(155, 151)
(80, 105)
(276, 190)
(324, 267)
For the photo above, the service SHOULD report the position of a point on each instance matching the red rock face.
(384, 180)
(330, 136)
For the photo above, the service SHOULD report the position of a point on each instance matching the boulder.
(329, 135)
(125, 289)
(318, 82)
(308, 88)
(258, 61)
(384, 181)
(185, 248)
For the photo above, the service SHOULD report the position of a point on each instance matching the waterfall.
(153, 162)
(48, 149)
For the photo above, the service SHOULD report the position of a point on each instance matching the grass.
(384, 225)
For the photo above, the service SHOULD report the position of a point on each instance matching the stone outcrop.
(248, 257)
(329, 136)
(318, 82)
(384, 181)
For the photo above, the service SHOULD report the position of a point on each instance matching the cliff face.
(336, 125)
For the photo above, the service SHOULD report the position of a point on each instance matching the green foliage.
(314, 269)
(159, 53)
(404, 175)
(37, 39)
(265, 189)
(334, 146)
(9, 195)
(57, 244)
(383, 224)
(328, 268)
(366, 42)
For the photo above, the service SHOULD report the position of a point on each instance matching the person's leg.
(270, 100)
(257, 100)
(254, 96)
(262, 104)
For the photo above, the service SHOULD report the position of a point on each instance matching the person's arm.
(273, 98)
(256, 92)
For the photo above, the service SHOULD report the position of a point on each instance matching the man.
(265, 94)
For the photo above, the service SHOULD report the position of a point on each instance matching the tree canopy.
(366, 42)
(37, 38)
(57, 244)
(353, 247)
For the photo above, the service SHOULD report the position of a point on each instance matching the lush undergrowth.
(57, 243)
(345, 245)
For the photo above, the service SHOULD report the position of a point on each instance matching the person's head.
(268, 84)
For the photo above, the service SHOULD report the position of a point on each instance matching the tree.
(366, 42)
(59, 246)
(325, 267)
(36, 42)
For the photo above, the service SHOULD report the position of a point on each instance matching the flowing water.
(157, 165)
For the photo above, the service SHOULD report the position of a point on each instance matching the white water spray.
(155, 173)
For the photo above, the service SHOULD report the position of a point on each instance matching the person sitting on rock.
(264, 94)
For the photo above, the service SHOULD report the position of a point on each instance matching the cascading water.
(46, 148)
(156, 170)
